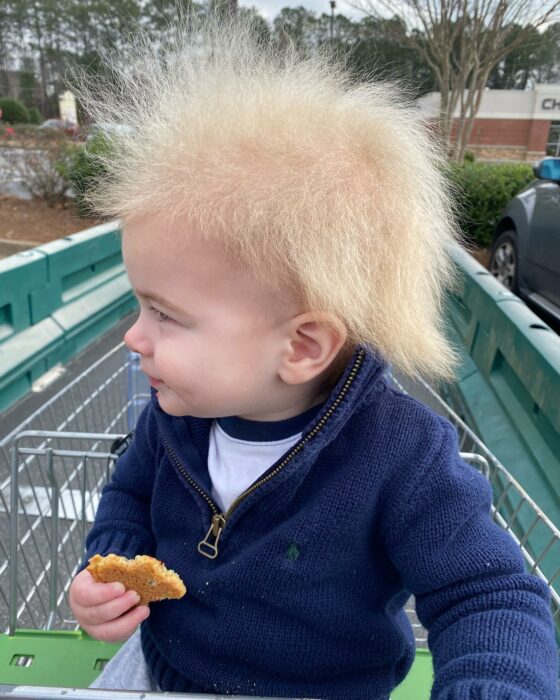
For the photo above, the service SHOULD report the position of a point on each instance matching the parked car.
(525, 253)
(69, 128)
(106, 129)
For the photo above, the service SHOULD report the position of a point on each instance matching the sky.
(270, 8)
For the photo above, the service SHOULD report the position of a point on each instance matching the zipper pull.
(207, 547)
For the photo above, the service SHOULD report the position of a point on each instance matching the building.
(67, 107)
(512, 124)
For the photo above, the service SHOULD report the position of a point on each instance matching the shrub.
(49, 138)
(482, 191)
(43, 172)
(31, 136)
(7, 133)
(13, 111)
(35, 116)
(25, 132)
(85, 170)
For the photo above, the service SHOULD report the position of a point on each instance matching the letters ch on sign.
(550, 103)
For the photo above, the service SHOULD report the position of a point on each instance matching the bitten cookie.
(147, 576)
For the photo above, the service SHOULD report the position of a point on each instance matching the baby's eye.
(161, 316)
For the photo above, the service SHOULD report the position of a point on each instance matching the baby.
(285, 231)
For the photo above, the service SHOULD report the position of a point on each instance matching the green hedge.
(35, 116)
(13, 111)
(86, 170)
(482, 191)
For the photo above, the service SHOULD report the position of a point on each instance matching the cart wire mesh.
(513, 509)
(52, 469)
(54, 465)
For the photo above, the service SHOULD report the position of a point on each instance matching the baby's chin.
(178, 408)
(175, 405)
(170, 404)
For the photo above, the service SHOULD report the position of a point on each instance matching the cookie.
(147, 576)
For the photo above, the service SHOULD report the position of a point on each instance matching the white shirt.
(235, 464)
(242, 450)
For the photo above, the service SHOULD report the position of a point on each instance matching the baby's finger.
(106, 612)
(120, 629)
(85, 591)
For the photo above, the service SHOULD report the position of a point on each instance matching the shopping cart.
(52, 470)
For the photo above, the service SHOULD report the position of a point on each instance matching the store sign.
(550, 103)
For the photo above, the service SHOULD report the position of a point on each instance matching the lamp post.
(333, 5)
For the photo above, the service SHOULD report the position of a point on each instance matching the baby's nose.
(137, 340)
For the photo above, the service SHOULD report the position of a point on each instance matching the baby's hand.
(103, 610)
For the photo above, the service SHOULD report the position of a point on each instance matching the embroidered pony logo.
(293, 551)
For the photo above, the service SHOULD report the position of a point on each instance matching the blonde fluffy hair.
(310, 176)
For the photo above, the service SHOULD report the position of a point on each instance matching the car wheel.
(503, 260)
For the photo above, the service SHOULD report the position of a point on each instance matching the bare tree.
(462, 41)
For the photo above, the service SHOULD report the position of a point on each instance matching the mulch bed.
(36, 222)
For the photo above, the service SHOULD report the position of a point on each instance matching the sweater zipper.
(208, 546)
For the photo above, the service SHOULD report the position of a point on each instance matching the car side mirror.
(547, 169)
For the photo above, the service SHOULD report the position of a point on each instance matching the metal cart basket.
(52, 470)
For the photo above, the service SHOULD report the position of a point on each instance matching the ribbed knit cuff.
(483, 690)
(474, 677)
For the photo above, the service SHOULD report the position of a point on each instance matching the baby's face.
(209, 333)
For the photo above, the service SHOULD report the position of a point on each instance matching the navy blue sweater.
(313, 564)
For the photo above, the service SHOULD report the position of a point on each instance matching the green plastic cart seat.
(74, 660)
(64, 659)
(418, 683)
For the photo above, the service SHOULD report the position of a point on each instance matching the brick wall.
(509, 139)
(501, 132)
(538, 135)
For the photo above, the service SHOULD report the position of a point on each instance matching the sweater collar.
(267, 431)
(359, 380)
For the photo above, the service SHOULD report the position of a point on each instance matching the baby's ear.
(313, 343)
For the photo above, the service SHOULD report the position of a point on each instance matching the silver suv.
(525, 253)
